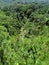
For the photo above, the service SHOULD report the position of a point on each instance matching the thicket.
(24, 34)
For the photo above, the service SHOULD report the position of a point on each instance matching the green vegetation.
(24, 34)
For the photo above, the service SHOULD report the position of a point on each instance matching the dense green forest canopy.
(24, 34)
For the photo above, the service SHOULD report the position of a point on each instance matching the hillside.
(9, 2)
(24, 34)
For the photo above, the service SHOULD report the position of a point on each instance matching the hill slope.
(7, 2)
(24, 35)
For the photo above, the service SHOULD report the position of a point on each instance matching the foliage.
(24, 34)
